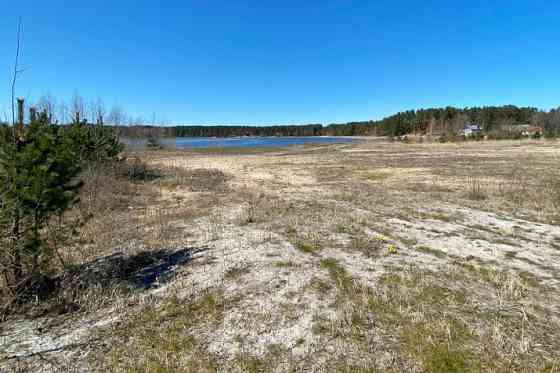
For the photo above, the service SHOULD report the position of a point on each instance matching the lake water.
(246, 142)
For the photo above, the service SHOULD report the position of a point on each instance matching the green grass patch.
(530, 279)
(375, 176)
(286, 264)
(431, 251)
(309, 243)
(306, 247)
(236, 272)
(320, 286)
(440, 349)
(156, 338)
(337, 272)
(368, 246)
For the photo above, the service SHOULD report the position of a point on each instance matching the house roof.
(516, 127)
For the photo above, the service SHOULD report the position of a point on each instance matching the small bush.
(448, 137)
(153, 143)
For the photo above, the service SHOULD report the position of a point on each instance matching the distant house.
(521, 128)
(524, 129)
(534, 130)
(471, 129)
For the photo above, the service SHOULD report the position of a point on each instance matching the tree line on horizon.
(431, 121)
(450, 120)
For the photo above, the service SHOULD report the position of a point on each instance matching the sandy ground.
(288, 231)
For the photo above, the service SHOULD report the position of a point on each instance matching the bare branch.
(14, 78)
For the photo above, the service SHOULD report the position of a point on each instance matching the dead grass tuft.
(475, 189)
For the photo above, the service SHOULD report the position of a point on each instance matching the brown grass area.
(347, 258)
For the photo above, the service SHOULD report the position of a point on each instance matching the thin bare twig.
(14, 78)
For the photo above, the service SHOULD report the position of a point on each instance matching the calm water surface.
(247, 142)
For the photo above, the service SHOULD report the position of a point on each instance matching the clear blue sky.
(268, 62)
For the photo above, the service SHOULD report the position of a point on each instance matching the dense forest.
(439, 121)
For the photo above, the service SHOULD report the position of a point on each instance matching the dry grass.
(345, 258)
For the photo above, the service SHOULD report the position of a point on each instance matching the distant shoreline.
(241, 142)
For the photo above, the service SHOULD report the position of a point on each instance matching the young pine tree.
(38, 181)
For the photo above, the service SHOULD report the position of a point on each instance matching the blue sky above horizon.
(288, 62)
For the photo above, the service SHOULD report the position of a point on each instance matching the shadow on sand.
(143, 270)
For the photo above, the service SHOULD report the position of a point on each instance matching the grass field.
(364, 257)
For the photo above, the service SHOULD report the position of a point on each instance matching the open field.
(343, 258)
